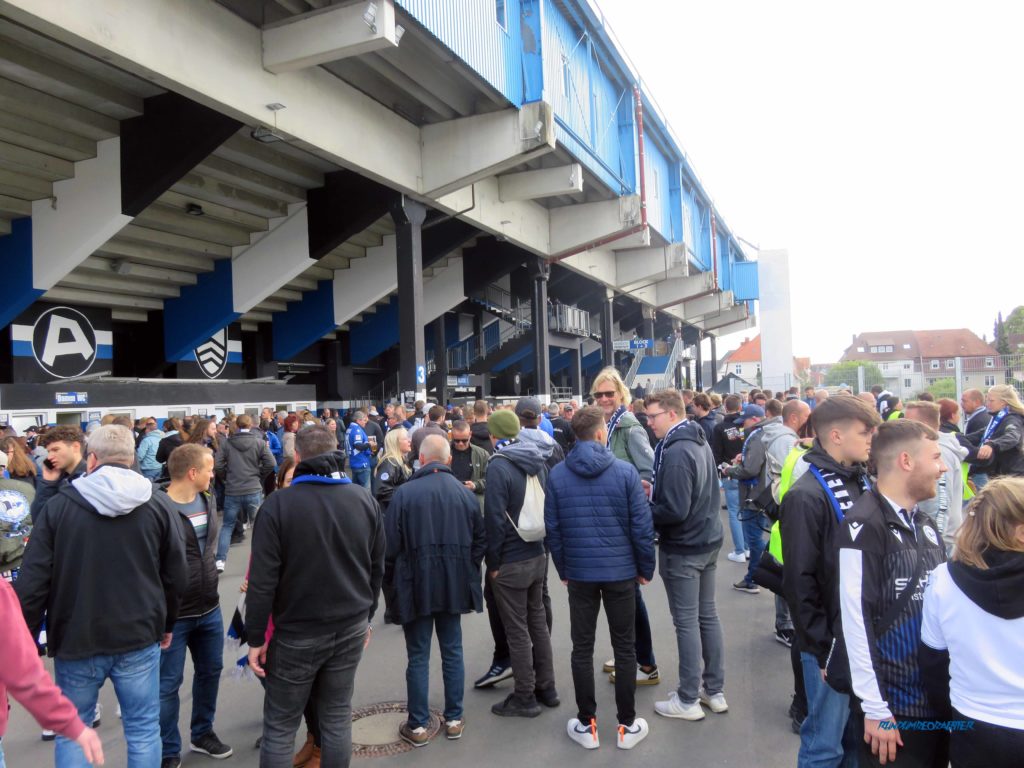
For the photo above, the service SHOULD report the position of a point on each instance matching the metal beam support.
(441, 360)
(408, 216)
(714, 360)
(540, 271)
(608, 328)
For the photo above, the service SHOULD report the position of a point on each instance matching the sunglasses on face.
(460, 441)
(605, 395)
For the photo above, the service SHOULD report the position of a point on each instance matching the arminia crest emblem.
(212, 355)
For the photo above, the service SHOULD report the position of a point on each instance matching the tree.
(943, 388)
(1000, 339)
(846, 373)
(1014, 324)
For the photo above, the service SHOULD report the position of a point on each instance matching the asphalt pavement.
(755, 730)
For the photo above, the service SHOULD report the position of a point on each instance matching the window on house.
(908, 366)
(499, 13)
(860, 349)
(885, 366)
(907, 384)
(739, 370)
(906, 346)
(990, 362)
(758, 367)
(951, 364)
(935, 365)
(990, 381)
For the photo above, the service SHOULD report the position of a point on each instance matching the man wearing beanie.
(516, 569)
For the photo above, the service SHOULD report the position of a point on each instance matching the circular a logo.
(930, 535)
(64, 342)
(14, 508)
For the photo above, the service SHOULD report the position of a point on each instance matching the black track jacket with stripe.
(877, 557)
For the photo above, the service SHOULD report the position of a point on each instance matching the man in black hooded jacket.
(809, 520)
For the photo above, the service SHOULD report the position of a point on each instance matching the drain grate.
(375, 729)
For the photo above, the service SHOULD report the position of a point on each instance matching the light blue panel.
(724, 262)
(703, 235)
(533, 50)
(745, 286)
(471, 30)
(675, 194)
(659, 189)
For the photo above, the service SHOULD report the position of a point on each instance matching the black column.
(714, 362)
(607, 332)
(700, 365)
(576, 371)
(648, 324)
(441, 361)
(540, 271)
(408, 216)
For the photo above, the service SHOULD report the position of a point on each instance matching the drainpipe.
(714, 246)
(642, 226)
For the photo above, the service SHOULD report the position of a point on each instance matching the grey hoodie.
(114, 491)
(506, 476)
(946, 509)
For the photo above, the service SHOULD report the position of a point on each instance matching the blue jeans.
(152, 474)
(136, 678)
(3, 763)
(417, 674)
(203, 636)
(828, 737)
(690, 587)
(361, 477)
(732, 501)
(979, 480)
(232, 505)
(324, 666)
(754, 526)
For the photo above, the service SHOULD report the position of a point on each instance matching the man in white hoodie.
(946, 509)
(106, 566)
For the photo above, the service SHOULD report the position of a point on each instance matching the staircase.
(660, 369)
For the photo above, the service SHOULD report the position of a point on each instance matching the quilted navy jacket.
(598, 519)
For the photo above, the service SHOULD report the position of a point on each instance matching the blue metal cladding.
(16, 256)
(304, 321)
(703, 234)
(470, 29)
(659, 182)
(744, 280)
(199, 311)
(725, 262)
(376, 333)
(533, 50)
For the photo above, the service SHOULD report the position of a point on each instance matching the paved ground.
(755, 731)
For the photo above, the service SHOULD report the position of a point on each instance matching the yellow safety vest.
(894, 415)
(785, 483)
(968, 491)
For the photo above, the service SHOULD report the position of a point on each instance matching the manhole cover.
(375, 729)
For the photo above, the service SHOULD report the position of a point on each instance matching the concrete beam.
(444, 290)
(366, 281)
(635, 267)
(328, 34)
(459, 152)
(722, 319)
(676, 290)
(712, 304)
(574, 226)
(737, 327)
(523, 223)
(545, 182)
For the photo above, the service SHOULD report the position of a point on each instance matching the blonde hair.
(392, 449)
(991, 522)
(612, 375)
(1008, 395)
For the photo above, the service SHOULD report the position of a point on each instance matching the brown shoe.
(453, 729)
(415, 736)
(314, 760)
(302, 757)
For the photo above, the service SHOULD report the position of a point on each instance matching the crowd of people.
(891, 536)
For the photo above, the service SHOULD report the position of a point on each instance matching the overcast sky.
(881, 143)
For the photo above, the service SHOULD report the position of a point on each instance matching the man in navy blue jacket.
(601, 536)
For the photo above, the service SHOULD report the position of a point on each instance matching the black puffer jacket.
(389, 477)
(201, 597)
(808, 526)
(1007, 443)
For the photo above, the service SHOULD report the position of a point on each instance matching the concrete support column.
(607, 328)
(540, 271)
(441, 360)
(700, 365)
(408, 216)
(714, 362)
(648, 324)
(576, 372)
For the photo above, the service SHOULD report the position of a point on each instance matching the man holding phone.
(64, 462)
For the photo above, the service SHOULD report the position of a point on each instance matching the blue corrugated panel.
(659, 182)
(724, 262)
(471, 30)
(703, 233)
(745, 287)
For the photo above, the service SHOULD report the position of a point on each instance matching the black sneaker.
(237, 538)
(548, 698)
(747, 586)
(170, 762)
(785, 636)
(209, 744)
(513, 706)
(494, 675)
(796, 717)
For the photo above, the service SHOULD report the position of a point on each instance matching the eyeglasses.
(607, 395)
(655, 414)
(460, 441)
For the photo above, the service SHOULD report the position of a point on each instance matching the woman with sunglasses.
(628, 440)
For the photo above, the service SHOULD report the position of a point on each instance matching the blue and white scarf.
(993, 424)
(613, 423)
(658, 454)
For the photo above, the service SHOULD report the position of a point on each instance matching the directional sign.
(421, 374)
(641, 344)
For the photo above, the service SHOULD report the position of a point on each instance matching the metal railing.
(638, 356)
(569, 319)
(462, 355)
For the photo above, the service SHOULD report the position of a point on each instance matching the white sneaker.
(675, 708)
(584, 735)
(746, 553)
(609, 666)
(642, 678)
(715, 702)
(119, 710)
(97, 716)
(631, 735)
(737, 557)
(220, 566)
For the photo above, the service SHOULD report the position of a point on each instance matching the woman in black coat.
(1002, 445)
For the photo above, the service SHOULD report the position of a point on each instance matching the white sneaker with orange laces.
(584, 734)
